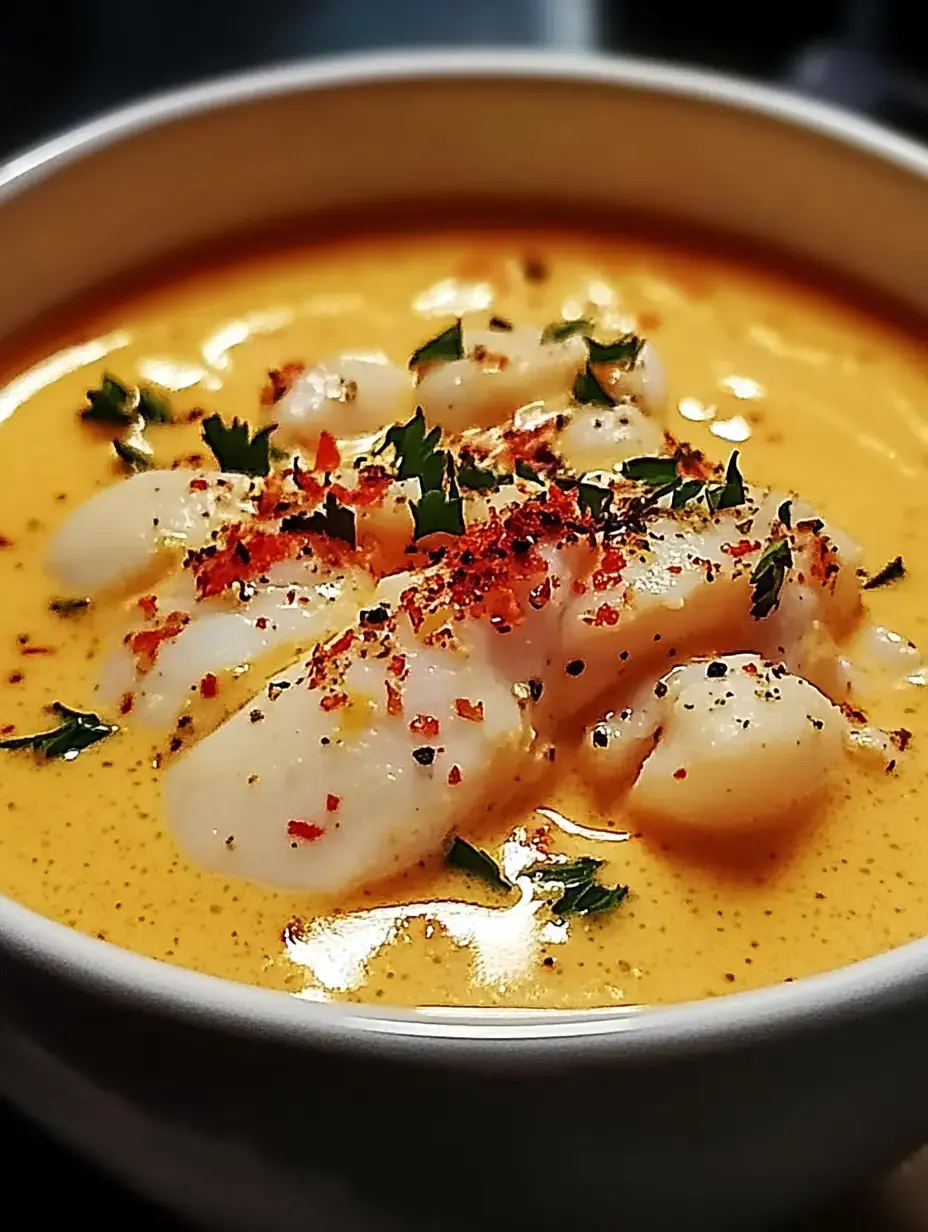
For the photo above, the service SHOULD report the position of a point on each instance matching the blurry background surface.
(63, 60)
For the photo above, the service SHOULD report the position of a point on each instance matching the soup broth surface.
(820, 397)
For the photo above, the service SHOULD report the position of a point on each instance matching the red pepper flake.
(261, 623)
(454, 776)
(397, 666)
(394, 700)
(680, 773)
(741, 548)
(15, 678)
(901, 738)
(149, 606)
(334, 701)
(373, 484)
(198, 485)
(7, 729)
(609, 572)
(577, 587)
(279, 383)
(675, 569)
(328, 458)
(606, 614)
(425, 725)
(750, 669)
(309, 485)
(5, 542)
(147, 644)
(209, 686)
(343, 643)
(128, 701)
(37, 650)
(308, 831)
(472, 711)
(852, 714)
(332, 803)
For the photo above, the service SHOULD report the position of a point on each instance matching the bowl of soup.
(463, 719)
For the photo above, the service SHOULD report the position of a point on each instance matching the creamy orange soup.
(819, 396)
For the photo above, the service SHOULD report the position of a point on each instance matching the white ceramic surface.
(249, 1109)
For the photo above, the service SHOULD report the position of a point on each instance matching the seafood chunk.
(347, 395)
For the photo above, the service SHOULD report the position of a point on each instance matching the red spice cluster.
(279, 382)
(147, 644)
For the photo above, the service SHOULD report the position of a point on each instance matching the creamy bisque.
(820, 398)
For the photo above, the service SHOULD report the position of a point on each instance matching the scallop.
(645, 382)
(129, 530)
(347, 395)
(600, 438)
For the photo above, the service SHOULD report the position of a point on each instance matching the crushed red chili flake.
(851, 713)
(261, 623)
(343, 643)
(577, 587)
(530, 444)
(609, 571)
(15, 678)
(5, 542)
(425, 725)
(332, 803)
(147, 644)
(334, 701)
(308, 831)
(209, 685)
(148, 605)
(127, 702)
(198, 485)
(472, 711)
(750, 669)
(279, 382)
(741, 548)
(606, 614)
(372, 486)
(309, 485)
(328, 458)
(7, 729)
(37, 650)
(397, 666)
(901, 738)
(271, 498)
(680, 773)
(454, 776)
(394, 700)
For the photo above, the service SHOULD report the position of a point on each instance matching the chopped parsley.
(587, 389)
(440, 509)
(578, 891)
(890, 572)
(76, 731)
(768, 577)
(623, 351)
(524, 471)
(477, 479)
(653, 471)
(68, 607)
(560, 331)
(683, 493)
(447, 345)
(417, 454)
(785, 514)
(471, 860)
(729, 494)
(235, 449)
(133, 458)
(591, 498)
(115, 403)
(332, 519)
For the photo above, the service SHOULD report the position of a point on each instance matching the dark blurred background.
(63, 60)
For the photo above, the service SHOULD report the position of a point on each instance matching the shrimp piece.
(347, 395)
(128, 530)
(500, 372)
(735, 743)
(275, 793)
(599, 438)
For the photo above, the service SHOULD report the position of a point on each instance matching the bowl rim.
(874, 984)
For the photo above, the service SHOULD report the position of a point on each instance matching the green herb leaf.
(111, 403)
(154, 407)
(528, 473)
(134, 459)
(501, 324)
(235, 449)
(332, 519)
(471, 860)
(587, 389)
(476, 479)
(623, 351)
(683, 493)
(560, 331)
(589, 899)
(69, 607)
(652, 471)
(438, 512)
(593, 499)
(730, 494)
(891, 572)
(417, 455)
(785, 514)
(447, 345)
(76, 731)
(579, 893)
(768, 577)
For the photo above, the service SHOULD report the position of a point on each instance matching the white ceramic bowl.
(247, 1109)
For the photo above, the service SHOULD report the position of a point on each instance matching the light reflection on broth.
(821, 397)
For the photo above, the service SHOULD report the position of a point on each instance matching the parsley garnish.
(235, 450)
(416, 453)
(591, 498)
(560, 331)
(68, 607)
(768, 577)
(471, 860)
(447, 345)
(729, 494)
(76, 731)
(116, 403)
(785, 514)
(501, 323)
(588, 389)
(624, 350)
(524, 471)
(476, 479)
(579, 893)
(891, 572)
(332, 519)
(134, 459)
(439, 510)
(683, 493)
(652, 471)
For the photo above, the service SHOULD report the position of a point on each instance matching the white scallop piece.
(601, 438)
(347, 395)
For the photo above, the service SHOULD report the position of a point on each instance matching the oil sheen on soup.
(469, 617)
